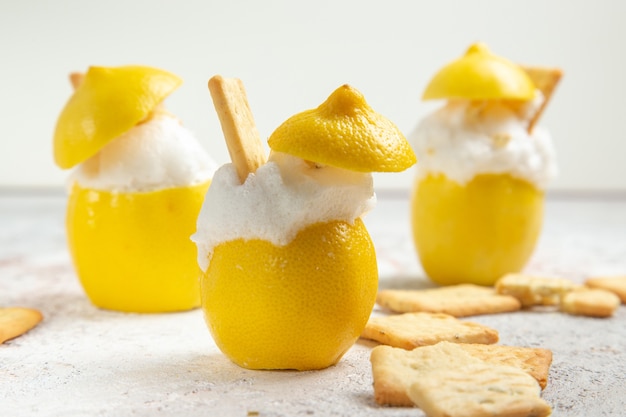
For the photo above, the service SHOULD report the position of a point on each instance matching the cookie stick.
(546, 80)
(76, 79)
(240, 132)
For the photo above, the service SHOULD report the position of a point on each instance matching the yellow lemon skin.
(299, 306)
(109, 102)
(480, 75)
(477, 232)
(132, 251)
(344, 132)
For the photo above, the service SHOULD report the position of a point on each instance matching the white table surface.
(82, 361)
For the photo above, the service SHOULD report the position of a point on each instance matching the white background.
(291, 55)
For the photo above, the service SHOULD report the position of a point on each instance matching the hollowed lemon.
(301, 306)
(475, 232)
(132, 251)
(478, 230)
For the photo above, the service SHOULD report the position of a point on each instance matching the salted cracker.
(592, 302)
(534, 361)
(394, 369)
(15, 321)
(615, 284)
(533, 290)
(478, 390)
(457, 300)
(410, 330)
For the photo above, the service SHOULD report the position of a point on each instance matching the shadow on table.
(212, 380)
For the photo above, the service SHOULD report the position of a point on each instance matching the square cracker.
(411, 330)
(533, 290)
(535, 361)
(592, 302)
(615, 284)
(394, 369)
(15, 321)
(477, 390)
(457, 300)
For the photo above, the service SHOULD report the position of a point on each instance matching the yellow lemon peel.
(132, 251)
(345, 132)
(299, 306)
(108, 102)
(475, 232)
(480, 75)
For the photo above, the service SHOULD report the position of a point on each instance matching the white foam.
(464, 139)
(157, 154)
(284, 196)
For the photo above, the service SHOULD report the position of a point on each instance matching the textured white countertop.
(81, 361)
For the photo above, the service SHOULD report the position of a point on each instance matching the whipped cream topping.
(157, 154)
(467, 138)
(281, 198)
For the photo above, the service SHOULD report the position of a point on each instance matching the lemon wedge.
(345, 132)
(480, 75)
(109, 102)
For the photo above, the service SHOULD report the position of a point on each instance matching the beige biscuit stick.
(242, 137)
(76, 79)
(546, 80)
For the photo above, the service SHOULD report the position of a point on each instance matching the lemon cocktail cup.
(292, 306)
(475, 232)
(131, 251)
(477, 202)
(130, 244)
(291, 284)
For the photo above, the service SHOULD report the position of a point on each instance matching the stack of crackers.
(460, 379)
(431, 359)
